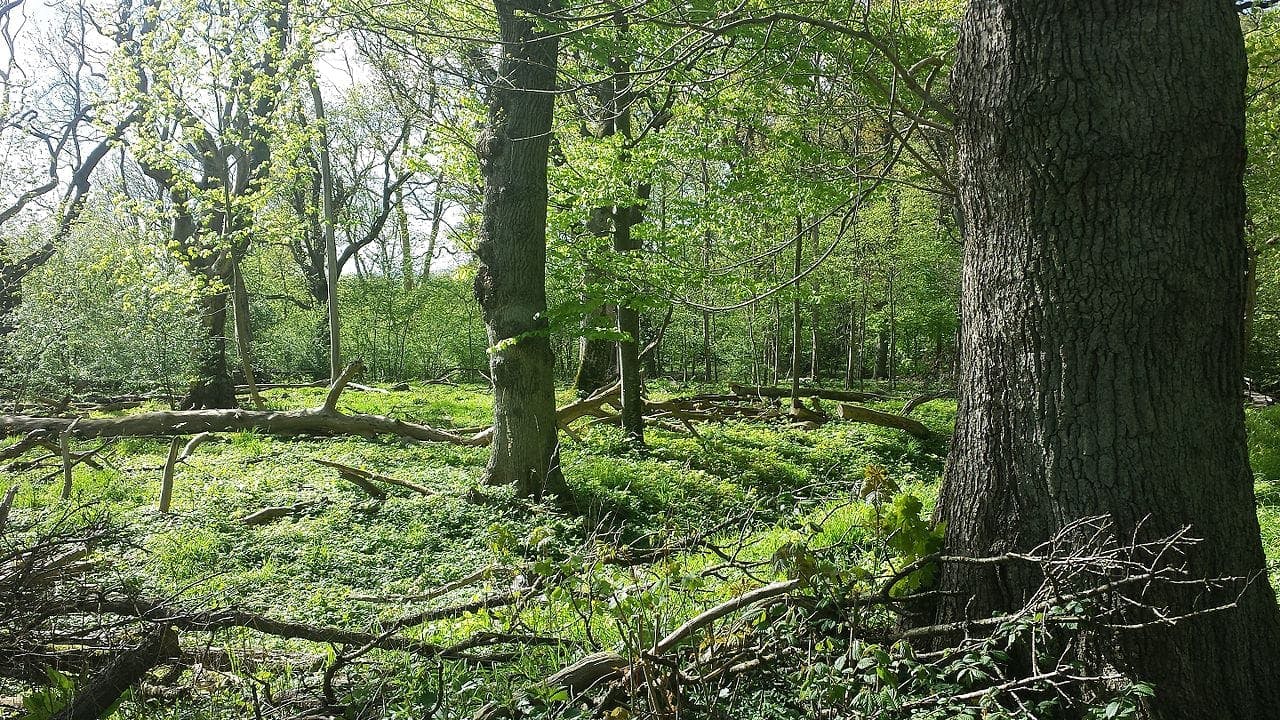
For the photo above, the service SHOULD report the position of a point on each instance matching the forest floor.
(346, 559)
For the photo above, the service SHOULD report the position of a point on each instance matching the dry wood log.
(60, 568)
(244, 389)
(33, 439)
(55, 453)
(195, 442)
(822, 393)
(431, 594)
(64, 445)
(590, 672)
(593, 404)
(226, 618)
(491, 601)
(166, 481)
(182, 422)
(360, 476)
(76, 458)
(6, 505)
(94, 699)
(923, 398)
(600, 668)
(107, 407)
(858, 413)
(274, 512)
(769, 593)
(359, 480)
(324, 420)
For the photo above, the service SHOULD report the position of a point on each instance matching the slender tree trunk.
(1101, 148)
(796, 323)
(775, 360)
(880, 371)
(408, 271)
(708, 356)
(626, 217)
(598, 357)
(891, 277)
(629, 348)
(754, 349)
(511, 283)
(852, 345)
(815, 308)
(1250, 301)
(330, 241)
(437, 213)
(244, 333)
(891, 351)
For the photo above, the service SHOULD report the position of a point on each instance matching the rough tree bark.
(597, 360)
(511, 282)
(213, 387)
(1101, 153)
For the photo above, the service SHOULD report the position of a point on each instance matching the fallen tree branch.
(94, 700)
(6, 505)
(182, 422)
(858, 413)
(484, 603)
(227, 618)
(772, 591)
(335, 391)
(274, 512)
(64, 445)
(324, 420)
(821, 393)
(32, 440)
(166, 481)
(432, 594)
(244, 389)
(364, 476)
(923, 398)
(195, 442)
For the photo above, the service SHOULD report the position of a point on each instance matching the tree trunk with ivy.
(1101, 149)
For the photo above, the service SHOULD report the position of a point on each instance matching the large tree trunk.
(1101, 156)
(597, 359)
(511, 282)
(212, 387)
